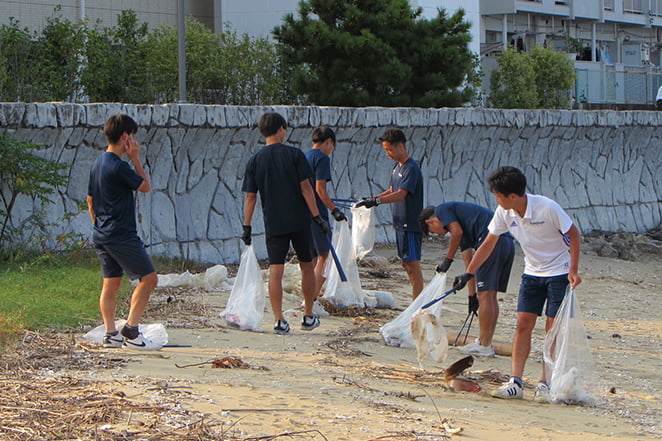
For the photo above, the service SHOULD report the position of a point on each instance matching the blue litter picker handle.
(343, 277)
(432, 302)
(349, 201)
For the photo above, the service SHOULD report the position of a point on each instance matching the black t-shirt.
(112, 183)
(275, 172)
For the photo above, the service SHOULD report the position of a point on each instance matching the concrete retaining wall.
(603, 167)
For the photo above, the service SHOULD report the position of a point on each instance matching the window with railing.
(633, 6)
(609, 5)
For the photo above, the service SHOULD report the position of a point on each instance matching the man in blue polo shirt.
(324, 142)
(406, 194)
(467, 224)
(281, 174)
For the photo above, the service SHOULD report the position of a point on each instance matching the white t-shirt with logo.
(542, 234)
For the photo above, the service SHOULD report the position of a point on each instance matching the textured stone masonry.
(603, 167)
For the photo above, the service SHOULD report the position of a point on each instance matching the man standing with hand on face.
(324, 142)
(406, 194)
(281, 174)
(111, 205)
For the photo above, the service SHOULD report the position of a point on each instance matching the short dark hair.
(270, 122)
(322, 133)
(117, 125)
(424, 215)
(507, 180)
(393, 136)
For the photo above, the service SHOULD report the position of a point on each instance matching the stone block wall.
(603, 167)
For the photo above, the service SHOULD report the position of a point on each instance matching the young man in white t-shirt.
(550, 242)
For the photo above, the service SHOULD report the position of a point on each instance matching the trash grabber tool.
(470, 319)
(343, 277)
(443, 296)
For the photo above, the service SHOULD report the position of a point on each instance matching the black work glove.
(473, 304)
(322, 224)
(461, 281)
(368, 202)
(246, 236)
(444, 266)
(338, 215)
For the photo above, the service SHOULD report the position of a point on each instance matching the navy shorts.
(409, 245)
(493, 275)
(534, 291)
(128, 257)
(302, 242)
(320, 241)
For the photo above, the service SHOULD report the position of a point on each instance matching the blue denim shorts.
(535, 291)
(127, 256)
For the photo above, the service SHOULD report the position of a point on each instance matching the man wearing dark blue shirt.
(324, 142)
(406, 194)
(467, 224)
(281, 174)
(110, 202)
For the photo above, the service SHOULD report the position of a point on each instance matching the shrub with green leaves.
(22, 172)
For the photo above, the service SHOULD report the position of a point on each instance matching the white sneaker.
(542, 393)
(475, 348)
(318, 309)
(510, 390)
(141, 343)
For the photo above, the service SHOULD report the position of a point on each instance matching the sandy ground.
(340, 382)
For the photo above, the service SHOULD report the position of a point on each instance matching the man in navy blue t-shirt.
(281, 175)
(324, 142)
(406, 194)
(467, 224)
(111, 205)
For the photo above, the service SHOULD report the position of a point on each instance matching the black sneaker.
(282, 327)
(310, 322)
(113, 341)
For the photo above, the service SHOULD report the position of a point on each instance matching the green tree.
(375, 52)
(60, 50)
(17, 73)
(555, 76)
(539, 79)
(23, 173)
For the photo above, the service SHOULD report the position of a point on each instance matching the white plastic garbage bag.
(568, 360)
(245, 308)
(398, 331)
(363, 231)
(155, 332)
(338, 292)
(430, 336)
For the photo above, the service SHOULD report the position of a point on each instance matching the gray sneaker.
(282, 327)
(310, 322)
(113, 341)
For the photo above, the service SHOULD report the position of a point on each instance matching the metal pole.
(181, 48)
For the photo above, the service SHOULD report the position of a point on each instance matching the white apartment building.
(616, 43)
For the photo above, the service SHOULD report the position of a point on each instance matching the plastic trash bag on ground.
(363, 231)
(155, 332)
(336, 291)
(398, 331)
(214, 278)
(430, 337)
(245, 307)
(568, 360)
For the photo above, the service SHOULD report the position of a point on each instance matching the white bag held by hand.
(245, 308)
(398, 331)
(363, 231)
(567, 356)
(336, 291)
